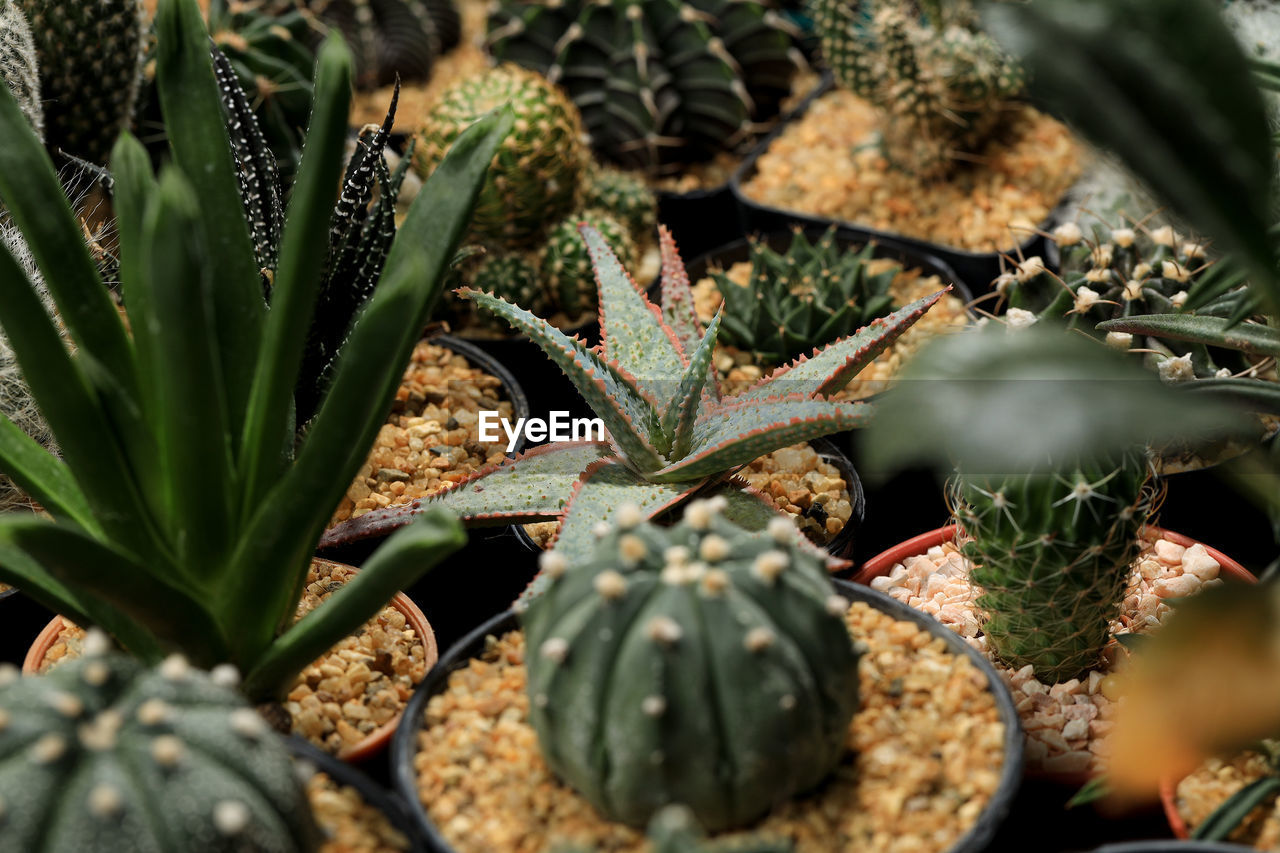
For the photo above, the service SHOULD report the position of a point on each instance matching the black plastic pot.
(976, 269)
(404, 744)
(841, 546)
(700, 220)
(1171, 846)
(373, 794)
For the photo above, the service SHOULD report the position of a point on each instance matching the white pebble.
(1196, 561)
(1178, 587)
(1168, 552)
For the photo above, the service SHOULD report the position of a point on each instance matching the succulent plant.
(1052, 554)
(106, 754)
(565, 265)
(392, 38)
(671, 434)
(624, 196)
(814, 292)
(513, 277)
(660, 83)
(18, 65)
(180, 476)
(944, 86)
(699, 664)
(675, 829)
(534, 180)
(90, 60)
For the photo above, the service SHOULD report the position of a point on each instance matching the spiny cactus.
(659, 83)
(1052, 553)
(813, 293)
(513, 277)
(699, 664)
(624, 196)
(90, 59)
(943, 86)
(392, 38)
(18, 65)
(652, 384)
(105, 754)
(565, 264)
(534, 181)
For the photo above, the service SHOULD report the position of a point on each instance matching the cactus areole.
(697, 664)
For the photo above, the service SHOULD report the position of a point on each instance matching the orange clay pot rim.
(882, 563)
(365, 748)
(1169, 799)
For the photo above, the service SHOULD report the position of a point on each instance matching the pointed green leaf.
(38, 473)
(1253, 338)
(1258, 395)
(682, 411)
(134, 186)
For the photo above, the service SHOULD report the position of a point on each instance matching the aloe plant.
(184, 517)
(671, 433)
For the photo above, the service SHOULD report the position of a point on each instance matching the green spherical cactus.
(104, 754)
(514, 277)
(624, 196)
(534, 180)
(698, 664)
(90, 57)
(1052, 554)
(660, 83)
(18, 65)
(565, 265)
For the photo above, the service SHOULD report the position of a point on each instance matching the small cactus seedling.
(105, 754)
(670, 433)
(18, 64)
(625, 197)
(944, 87)
(699, 664)
(813, 293)
(565, 265)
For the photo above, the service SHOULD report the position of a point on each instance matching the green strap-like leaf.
(831, 368)
(1253, 338)
(410, 553)
(1259, 395)
(297, 280)
(43, 477)
(682, 411)
(1228, 816)
(135, 185)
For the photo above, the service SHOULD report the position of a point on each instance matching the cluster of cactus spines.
(18, 65)
(659, 83)
(626, 197)
(392, 38)
(944, 87)
(1052, 555)
(699, 664)
(651, 382)
(90, 58)
(813, 293)
(105, 754)
(535, 180)
(565, 264)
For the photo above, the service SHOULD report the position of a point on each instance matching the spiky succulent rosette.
(1052, 553)
(671, 434)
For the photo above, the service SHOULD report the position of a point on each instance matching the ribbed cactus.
(814, 293)
(659, 83)
(90, 57)
(18, 65)
(1052, 555)
(104, 754)
(944, 86)
(565, 263)
(624, 196)
(392, 38)
(698, 664)
(534, 180)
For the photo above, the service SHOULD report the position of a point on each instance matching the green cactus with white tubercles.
(105, 754)
(699, 664)
(944, 86)
(624, 196)
(18, 65)
(513, 277)
(1052, 553)
(565, 263)
(90, 56)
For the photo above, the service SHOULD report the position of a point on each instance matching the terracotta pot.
(369, 746)
(883, 562)
(1168, 799)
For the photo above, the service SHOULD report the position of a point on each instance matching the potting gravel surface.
(1216, 780)
(349, 823)
(1067, 723)
(431, 440)
(827, 164)
(357, 686)
(925, 751)
(739, 369)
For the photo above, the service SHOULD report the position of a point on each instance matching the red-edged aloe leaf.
(682, 411)
(749, 508)
(631, 328)
(1252, 338)
(630, 415)
(534, 486)
(677, 294)
(829, 369)
(731, 435)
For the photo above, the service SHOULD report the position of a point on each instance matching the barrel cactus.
(815, 292)
(534, 179)
(105, 754)
(944, 86)
(18, 64)
(392, 38)
(512, 277)
(697, 664)
(659, 83)
(1052, 553)
(90, 58)
(624, 196)
(565, 263)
